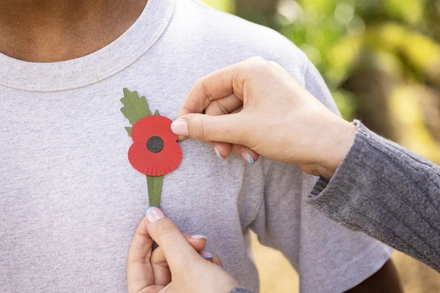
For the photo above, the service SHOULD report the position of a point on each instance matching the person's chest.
(70, 194)
(69, 150)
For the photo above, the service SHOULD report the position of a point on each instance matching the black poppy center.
(155, 144)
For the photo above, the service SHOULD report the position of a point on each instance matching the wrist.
(339, 140)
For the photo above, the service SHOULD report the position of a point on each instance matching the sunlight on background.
(227, 6)
(381, 45)
(381, 60)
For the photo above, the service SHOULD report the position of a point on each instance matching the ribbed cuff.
(328, 194)
(387, 192)
(240, 290)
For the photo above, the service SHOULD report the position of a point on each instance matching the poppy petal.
(154, 164)
(152, 126)
(150, 163)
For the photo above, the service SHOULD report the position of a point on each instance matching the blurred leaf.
(223, 5)
(388, 52)
(413, 132)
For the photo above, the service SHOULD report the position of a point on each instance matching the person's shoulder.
(223, 26)
(235, 36)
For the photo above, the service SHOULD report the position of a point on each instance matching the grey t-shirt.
(70, 200)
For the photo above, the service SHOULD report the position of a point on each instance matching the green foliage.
(354, 42)
(223, 5)
(367, 51)
(134, 108)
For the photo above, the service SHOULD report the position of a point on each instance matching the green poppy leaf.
(135, 107)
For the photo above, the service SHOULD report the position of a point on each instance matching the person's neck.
(54, 30)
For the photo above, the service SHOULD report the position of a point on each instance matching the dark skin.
(54, 30)
(385, 280)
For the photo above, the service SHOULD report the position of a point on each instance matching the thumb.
(223, 128)
(180, 255)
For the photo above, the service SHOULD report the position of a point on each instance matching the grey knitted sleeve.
(389, 193)
(240, 290)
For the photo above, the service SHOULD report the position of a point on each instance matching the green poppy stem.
(154, 189)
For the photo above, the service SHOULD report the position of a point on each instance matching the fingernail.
(206, 254)
(199, 237)
(218, 153)
(247, 157)
(180, 127)
(153, 214)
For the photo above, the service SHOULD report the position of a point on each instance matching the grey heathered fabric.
(389, 193)
(70, 201)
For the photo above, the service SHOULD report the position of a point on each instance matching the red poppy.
(155, 151)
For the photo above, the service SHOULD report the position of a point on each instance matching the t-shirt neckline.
(95, 67)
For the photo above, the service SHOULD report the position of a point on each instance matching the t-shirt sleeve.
(327, 256)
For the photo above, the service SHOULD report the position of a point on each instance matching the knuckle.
(257, 60)
(222, 108)
(165, 228)
(199, 131)
(200, 86)
(273, 64)
(257, 65)
(200, 82)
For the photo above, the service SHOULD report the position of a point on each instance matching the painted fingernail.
(218, 153)
(245, 155)
(153, 214)
(180, 127)
(199, 237)
(206, 254)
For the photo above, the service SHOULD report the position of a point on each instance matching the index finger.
(215, 86)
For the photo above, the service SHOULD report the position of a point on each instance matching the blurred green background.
(381, 60)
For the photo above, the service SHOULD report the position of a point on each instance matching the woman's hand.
(176, 265)
(270, 114)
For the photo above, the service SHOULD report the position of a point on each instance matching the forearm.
(387, 192)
